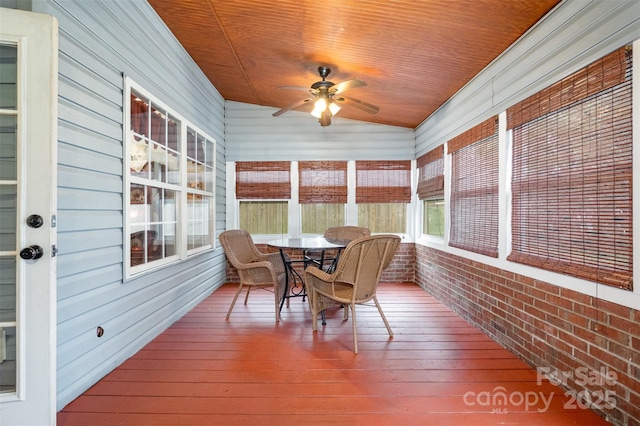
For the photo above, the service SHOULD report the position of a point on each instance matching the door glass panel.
(8, 151)
(8, 199)
(8, 221)
(8, 359)
(7, 290)
(8, 73)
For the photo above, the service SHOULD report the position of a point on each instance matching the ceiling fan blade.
(346, 85)
(365, 106)
(292, 106)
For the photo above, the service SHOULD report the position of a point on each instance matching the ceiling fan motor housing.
(324, 72)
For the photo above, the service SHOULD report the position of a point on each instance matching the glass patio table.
(294, 282)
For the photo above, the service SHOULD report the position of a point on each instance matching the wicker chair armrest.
(258, 272)
(275, 259)
(318, 273)
(315, 279)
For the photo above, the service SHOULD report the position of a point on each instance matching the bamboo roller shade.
(572, 174)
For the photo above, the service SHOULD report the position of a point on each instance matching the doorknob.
(35, 221)
(31, 252)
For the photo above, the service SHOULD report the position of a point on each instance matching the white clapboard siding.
(253, 134)
(101, 42)
(574, 35)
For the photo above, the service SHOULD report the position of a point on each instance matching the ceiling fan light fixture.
(325, 119)
(334, 108)
(319, 107)
(327, 98)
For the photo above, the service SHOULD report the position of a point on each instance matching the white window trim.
(294, 210)
(182, 252)
(609, 293)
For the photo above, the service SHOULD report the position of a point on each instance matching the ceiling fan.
(327, 98)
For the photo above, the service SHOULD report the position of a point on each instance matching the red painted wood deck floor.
(437, 370)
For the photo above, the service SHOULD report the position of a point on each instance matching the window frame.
(392, 192)
(183, 192)
(556, 107)
(333, 193)
(294, 212)
(430, 188)
(466, 234)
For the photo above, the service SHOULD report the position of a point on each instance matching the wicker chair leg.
(353, 324)
(246, 298)
(313, 306)
(234, 300)
(375, 299)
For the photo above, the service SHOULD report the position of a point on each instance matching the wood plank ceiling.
(413, 55)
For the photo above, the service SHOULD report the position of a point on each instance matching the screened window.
(263, 188)
(157, 191)
(383, 191)
(433, 218)
(431, 191)
(322, 194)
(474, 189)
(572, 172)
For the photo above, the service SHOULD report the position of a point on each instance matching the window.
(474, 189)
(263, 188)
(171, 170)
(200, 187)
(572, 172)
(431, 191)
(383, 191)
(322, 194)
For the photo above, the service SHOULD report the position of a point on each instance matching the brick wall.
(401, 268)
(547, 326)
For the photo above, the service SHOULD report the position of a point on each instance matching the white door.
(28, 120)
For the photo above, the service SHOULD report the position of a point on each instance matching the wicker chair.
(340, 234)
(354, 281)
(255, 269)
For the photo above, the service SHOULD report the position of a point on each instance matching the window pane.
(8, 147)
(169, 223)
(316, 218)
(8, 367)
(8, 76)
(158, 126)
(155, 157)
(383, 217)
(199, 222)
(264, 217)
(433, 223)
(173, 150)
(152, 218)
(8, 217)
(8, 289)
(200, 159)
(209, 177)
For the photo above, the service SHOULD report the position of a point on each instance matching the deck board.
(205, 370)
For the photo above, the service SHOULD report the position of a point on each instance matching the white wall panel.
(253, 134)
(101, 42)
